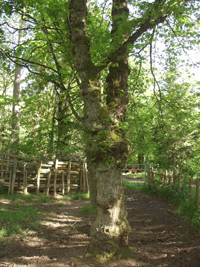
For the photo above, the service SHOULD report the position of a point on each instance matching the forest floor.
(159, 236)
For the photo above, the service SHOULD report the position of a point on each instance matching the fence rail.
(174, 180)
(19, 173)
(134, 168)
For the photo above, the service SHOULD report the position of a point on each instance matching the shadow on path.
(160, 238)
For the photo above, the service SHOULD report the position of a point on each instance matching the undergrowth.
(186, 208)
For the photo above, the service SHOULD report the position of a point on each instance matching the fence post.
(10, 183)
(63, 183)
(14, 176)
(151, 177)
(38, 179)
(68, 177)
(55, 177)
(48, 182)
(25, 180)
(197, 192)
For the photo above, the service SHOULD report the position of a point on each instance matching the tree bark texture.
(15, 111)
(106, 143)
(16, 93)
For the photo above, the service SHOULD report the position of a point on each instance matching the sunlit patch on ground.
(35, 241)
(160, 238)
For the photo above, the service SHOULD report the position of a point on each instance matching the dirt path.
(160, 237)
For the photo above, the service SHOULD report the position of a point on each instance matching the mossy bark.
(111, 228)
(106, 144)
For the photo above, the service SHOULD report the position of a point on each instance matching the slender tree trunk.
(61, 125)
(16, 93)
(15, 111)
(50, 150)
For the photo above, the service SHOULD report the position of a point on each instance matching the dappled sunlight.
(43, 261)
(28, 232)
(60, 221)
(60, 230)
(159, 237)
(35, 241)
(63, 233)
(24, 258)
(55, 222)
(4, 201)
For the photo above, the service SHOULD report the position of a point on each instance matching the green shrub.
(187, 209)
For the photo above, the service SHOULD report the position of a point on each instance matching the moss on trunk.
(106, 144)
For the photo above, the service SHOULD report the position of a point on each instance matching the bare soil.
(159, 237)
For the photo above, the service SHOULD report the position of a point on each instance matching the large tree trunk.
(106, 147)
(111, 228)
(92, 177)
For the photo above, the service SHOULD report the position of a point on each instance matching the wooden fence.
(19, 173)
(135, 168)
(174, 180)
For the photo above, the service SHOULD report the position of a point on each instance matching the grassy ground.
(19, 213)
(43, 231)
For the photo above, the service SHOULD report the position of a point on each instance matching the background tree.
(6, 87)
(16, 88)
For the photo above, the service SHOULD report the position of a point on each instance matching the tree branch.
(146, 22)
(179, 41)
(58, 68)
